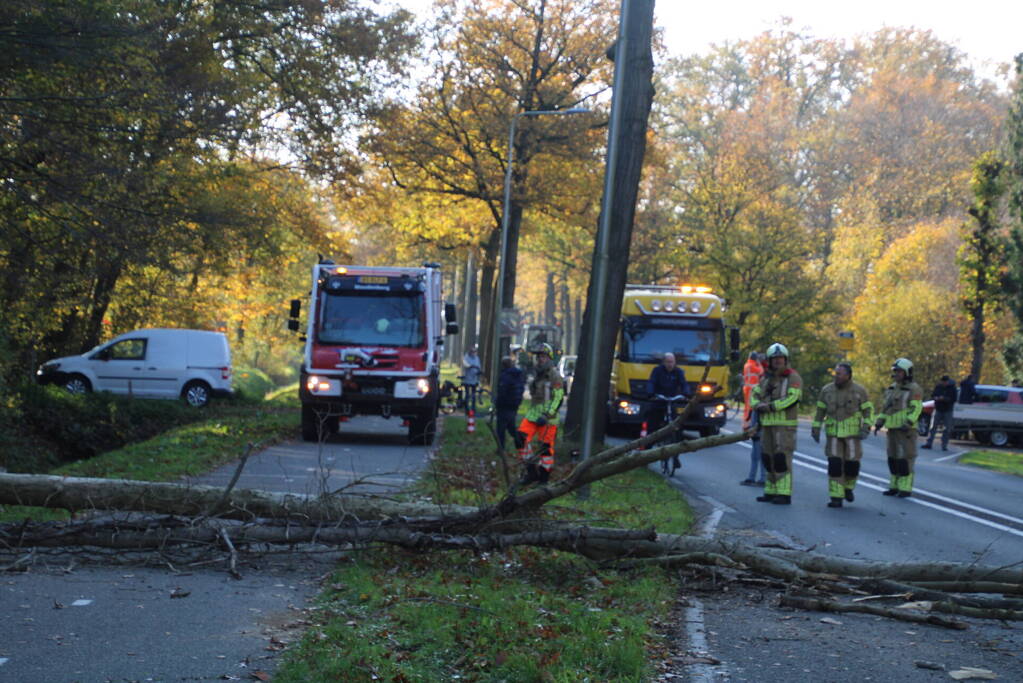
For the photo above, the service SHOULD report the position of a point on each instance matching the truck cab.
(373, 346)
(688, 321)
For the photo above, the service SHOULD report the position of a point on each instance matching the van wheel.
(999, 438)
(78, 384)
(196, 394)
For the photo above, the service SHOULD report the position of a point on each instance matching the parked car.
(995, 416)
(154, 363)
(566, 367)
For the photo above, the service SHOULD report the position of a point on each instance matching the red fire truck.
(373, 346)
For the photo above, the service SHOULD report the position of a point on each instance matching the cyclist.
(667, 379)
(471, 371)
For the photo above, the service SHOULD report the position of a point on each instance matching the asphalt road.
(957, 513)
(73, 617)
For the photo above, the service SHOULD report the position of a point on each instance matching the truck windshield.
(647, 340)
(372, 318)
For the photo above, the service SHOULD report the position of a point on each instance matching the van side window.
(128, 349)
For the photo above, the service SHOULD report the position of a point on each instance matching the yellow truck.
(688, 321)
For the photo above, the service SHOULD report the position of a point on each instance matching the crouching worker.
(546, 391)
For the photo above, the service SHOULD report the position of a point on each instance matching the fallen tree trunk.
(80, 493)
(821, 605)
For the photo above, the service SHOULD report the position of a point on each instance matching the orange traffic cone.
(470, 421)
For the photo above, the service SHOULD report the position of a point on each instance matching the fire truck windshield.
(372, 318)
(646, 341)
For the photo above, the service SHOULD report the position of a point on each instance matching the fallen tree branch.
(821, 605)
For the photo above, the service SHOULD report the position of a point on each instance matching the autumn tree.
(115, 120)
(490, 61)
(982, 257)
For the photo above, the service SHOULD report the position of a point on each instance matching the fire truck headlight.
(628, 408)
(655, 305)
(668, 307)
(695, 307)
(423, 386)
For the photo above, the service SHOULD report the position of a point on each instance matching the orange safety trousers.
(546, 435)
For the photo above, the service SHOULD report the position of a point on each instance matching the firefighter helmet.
(544, 348)
(903, 364)
(777, 349)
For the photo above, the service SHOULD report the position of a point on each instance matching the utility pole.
(630, 111)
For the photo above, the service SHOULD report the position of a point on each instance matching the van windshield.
(646, 340)
(372, 319)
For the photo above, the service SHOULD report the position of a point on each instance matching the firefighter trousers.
(545, 435)
(776, 447)
(901, 459)
(844, 455)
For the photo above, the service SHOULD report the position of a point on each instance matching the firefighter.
(846, 412)
(752, 371)
(546, 391)
(776, 401)
(903, 402)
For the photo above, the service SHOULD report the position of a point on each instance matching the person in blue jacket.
(510, 385)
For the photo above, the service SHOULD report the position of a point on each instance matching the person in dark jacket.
(967, 390)
(944, 396)
(667, 379)
(510, 385)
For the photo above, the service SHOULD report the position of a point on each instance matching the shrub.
(251, 383)
(44, 426)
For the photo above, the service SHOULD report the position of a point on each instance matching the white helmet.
(903, 364)
(777, 349)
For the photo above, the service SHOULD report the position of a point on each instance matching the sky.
(989, 31)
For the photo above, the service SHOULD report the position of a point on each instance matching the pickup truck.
(995, 417)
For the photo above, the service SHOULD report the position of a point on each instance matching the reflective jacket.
(902, 405)
(845, 411)
(546, 391)
(752, 371)
(782, 392)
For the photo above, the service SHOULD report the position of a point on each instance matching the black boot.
(529, 476)
(766, 498)
(849, 495)
(782, 500)
(835, 503)
(890, 492)
(903, 494)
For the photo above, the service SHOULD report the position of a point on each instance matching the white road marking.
(81, 603)
(696, 637)
(947, 457)
(884, 487)
(4, 660)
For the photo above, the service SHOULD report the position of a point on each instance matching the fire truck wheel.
(422, 430)
(310, 425)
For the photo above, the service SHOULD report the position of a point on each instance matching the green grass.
(1000, 461)
(522, 615)
(188, 450)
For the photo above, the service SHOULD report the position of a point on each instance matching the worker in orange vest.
(752, 371)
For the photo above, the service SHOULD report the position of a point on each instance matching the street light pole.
(500, 297)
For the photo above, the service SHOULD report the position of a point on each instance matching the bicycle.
(670, 464)
(457, 397)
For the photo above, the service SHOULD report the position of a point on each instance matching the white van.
(155, 363)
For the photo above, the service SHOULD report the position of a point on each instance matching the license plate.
(373, 280)
(374, 390)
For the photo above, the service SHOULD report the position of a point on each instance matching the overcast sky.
(989, 31)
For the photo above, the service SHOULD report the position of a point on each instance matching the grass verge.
(188, 450)
(526, 614)
(1008, 462)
